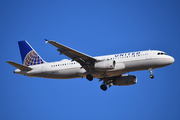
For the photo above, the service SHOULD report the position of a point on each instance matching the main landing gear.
(103, 87)
(89, 77)
(151, 75)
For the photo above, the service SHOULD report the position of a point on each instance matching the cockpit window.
(161, 53)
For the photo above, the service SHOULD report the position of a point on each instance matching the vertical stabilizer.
(29, 55)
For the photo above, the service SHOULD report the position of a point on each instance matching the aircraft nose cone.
(170, 60)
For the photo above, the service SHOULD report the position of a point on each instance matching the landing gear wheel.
(103, 87)
(151, 71)
(151, 76)
(89, 77)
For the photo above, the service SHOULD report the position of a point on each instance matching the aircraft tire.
(103, 87)
(151, 76)
(89, 77)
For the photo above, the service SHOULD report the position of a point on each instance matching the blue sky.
(96, 27)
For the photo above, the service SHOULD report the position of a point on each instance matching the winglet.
(46, 41)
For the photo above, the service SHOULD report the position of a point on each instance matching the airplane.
(110, 69)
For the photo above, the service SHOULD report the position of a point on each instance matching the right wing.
(83, 59)
(19, 66)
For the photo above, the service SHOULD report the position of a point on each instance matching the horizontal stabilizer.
(19, 66)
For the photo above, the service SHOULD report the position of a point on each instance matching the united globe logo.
(32, 58)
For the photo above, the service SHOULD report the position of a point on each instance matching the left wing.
(83, 59)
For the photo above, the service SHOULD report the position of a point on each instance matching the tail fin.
(29, 55)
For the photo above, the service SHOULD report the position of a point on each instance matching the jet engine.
(105, 65)
(125, 80)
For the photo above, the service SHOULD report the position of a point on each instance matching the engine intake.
(125, 80)
(105, 65)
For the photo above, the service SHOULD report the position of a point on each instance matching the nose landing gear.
(151, 75)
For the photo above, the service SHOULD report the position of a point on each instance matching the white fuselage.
(125, 62)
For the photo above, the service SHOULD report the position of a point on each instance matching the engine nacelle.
(105, 65)
(125, 80)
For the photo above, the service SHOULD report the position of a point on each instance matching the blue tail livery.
(29, 55)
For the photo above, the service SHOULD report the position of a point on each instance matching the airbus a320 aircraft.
(110, 68)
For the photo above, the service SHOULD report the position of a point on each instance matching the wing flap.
(19, 66)
(81, 58)
(73, 54)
